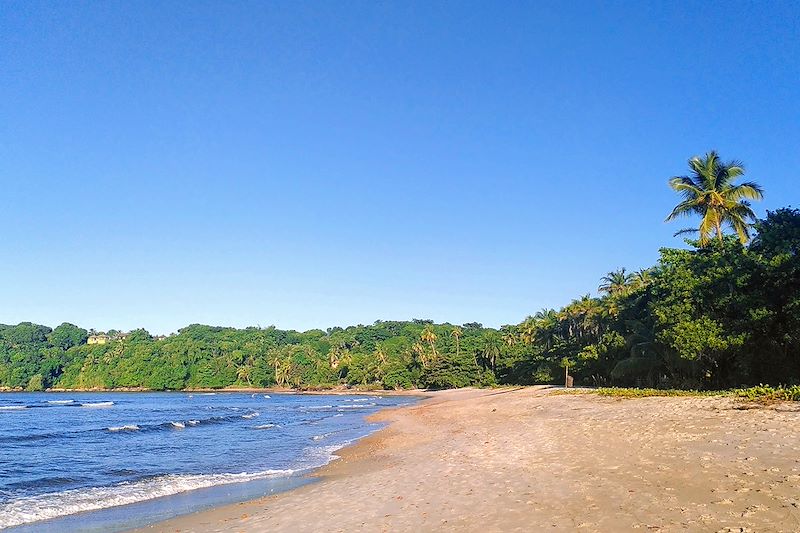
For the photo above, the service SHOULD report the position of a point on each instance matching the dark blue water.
(69, 453)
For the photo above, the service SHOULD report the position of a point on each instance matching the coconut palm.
(245, 372)
(615, 282)
(709, 191)
(456, 334)
(528, 330)
(429, 336)
(508, 336)
(641, 278)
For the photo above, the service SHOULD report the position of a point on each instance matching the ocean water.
(147, 456)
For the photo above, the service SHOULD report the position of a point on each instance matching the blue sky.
(311, 164)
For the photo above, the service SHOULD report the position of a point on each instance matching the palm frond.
(749, 189)
(685, 208)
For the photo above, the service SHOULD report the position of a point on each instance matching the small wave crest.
(178, 425)
(12, 407)
(97, 405)
(265, 426)
(129, 427)
(250, 415)
(359, 406)
(60, 402)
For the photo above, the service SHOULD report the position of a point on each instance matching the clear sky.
(333, 163)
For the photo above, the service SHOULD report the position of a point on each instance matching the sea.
(115, 461)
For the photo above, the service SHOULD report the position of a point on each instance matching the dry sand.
(527, 460)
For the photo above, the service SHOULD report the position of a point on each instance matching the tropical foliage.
(720, 314)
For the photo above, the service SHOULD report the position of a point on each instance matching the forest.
(722, 312)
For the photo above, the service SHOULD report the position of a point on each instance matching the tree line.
(723, 313)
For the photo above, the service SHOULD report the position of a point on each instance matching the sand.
(528, 460)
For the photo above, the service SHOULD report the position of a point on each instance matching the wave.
(130, 427)
(46, 506)
(141, 427)
(267, 396)
(359, 406)
(265, 426)
(12, 407)
(316, 407)
(60, 402)
(250, 415)
(178, 425)
(97, 404)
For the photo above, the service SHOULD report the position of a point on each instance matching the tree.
(615, 282)
(68, 335)
(709, 191)
(429, 336)
(456, 334)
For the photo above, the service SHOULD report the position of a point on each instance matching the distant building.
(98, 339)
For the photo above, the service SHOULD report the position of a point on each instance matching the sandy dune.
(527, 460)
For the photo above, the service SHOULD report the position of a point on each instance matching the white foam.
(60, 402)
(316, 407)
(131, 427)
(178, 425)
(46, 506)
(359, 406)
(12, 407)
(250, 415)
(317, 456)
(267, 396)
(97, 404)
(265, 426)
(193, 422)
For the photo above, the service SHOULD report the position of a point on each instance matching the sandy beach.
(528, 460)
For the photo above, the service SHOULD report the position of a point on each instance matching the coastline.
(247, 390)
(516, 459)
(103, 511)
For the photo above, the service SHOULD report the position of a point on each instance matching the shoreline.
(143, 512)
(516, 459)
(247, 390)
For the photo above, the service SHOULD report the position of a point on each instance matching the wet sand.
(528, 460)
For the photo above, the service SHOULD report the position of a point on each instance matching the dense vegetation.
(725, 313)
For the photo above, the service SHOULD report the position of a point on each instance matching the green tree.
(615, 282)
(709, 191)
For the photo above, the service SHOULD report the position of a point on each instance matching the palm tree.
(709, 192)
(429, 336)
(456, 334)
(509, 337)
(641, 278)
(490, 349)
(615, 282)
(528, 330)
(244, 373)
